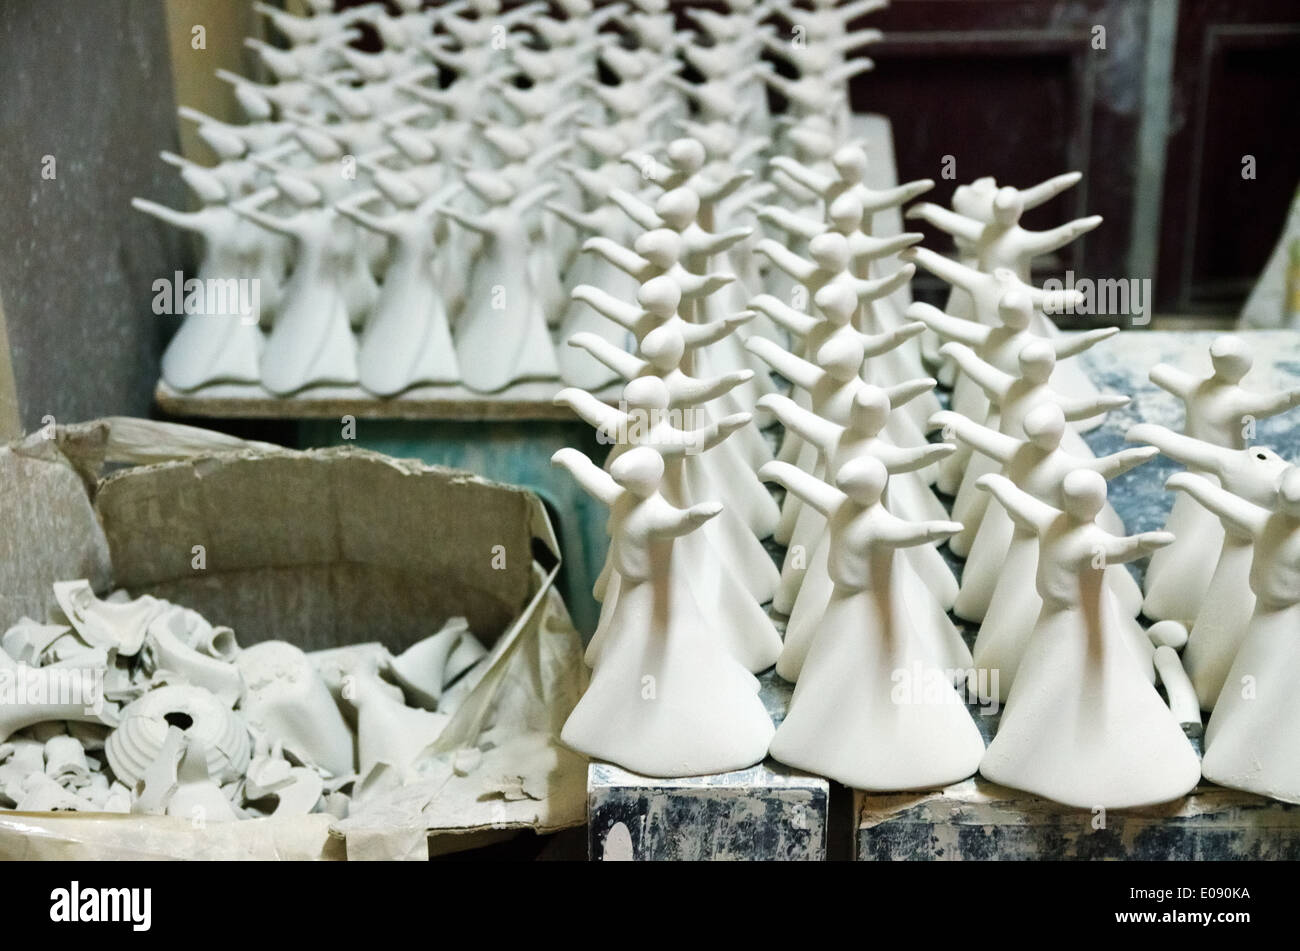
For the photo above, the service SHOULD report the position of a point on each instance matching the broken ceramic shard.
(1083, 725)
(666, 698)
(286, 697)
(142, 736)
(114, 626)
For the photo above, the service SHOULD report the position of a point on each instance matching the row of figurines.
(363, 281)
(881, 671)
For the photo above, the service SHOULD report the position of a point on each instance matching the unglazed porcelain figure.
(1252, 741)
(1014, 396)
(1222, 412)
(312, 341)
(733, 574)
(407, 340)
(1083, 725)
(846, 719)
(1005, 553)
(1254, 475)
(662, 351)
(666, 697)
(998, 345)
(501, 338)
(222, 347)
(922, 571)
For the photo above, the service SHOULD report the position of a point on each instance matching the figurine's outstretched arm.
(714, 433)
(869, 247)
(822, 433)
(1054, 302)
(1025, 510)
(350, 207)
(1119, 549)
(821, 496)
(691, 391)
(795, 369)
(701, 335)
(625, 259)
(1041, 242)
(604, 303)
(636, 209)
(596, 412)
(1117, 463)
(900, 394)
(582, 220)
(873, 345)
(712, 191)
(814, 181)
(1076, 409)
(1043, 192)
(851, 11)
(477, 223)
(789, 262)
(1188, 450)
(535, 195)
(956, 274)
(963, 331)
(593, 480)
(626, 365)
(702, 285)
(1173, 380)
(710, 244)
(795, 321)
(895, 532)
(898, 460)
(983, 439)
(188, 220)
(959, 226)
(791, 188)
(987, 377)
(869, 289)
(787, 220)
(1263, 405)
(1071, 344)
(878, 199)
(246, 209)
(1246, 517)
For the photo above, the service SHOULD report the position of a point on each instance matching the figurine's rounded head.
(1037, 359)
(870, 410)
(1045, 425)
(678, 207)
(371, 66)
(1288, 493)
(638, 470)
(1230, 357)
(863, 480)
(491, 187)
(850, 163)
(397, 189)
(841, 357)
(845, 213)
(686, 154)
(837, 302)
(513, 146)
(1008, 206)
(664, 348)
(660, 296)
(204, 184)
(830, 251)
(298, 190)
(1083, 493)
(227, 145)
(811, 139)
(662, 247)
(646, 392)
(972, 200)
(1015, 309)
(322, 147)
